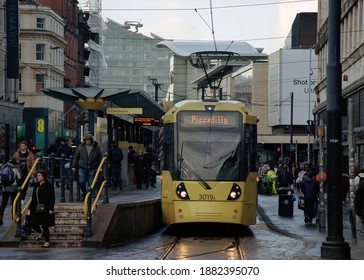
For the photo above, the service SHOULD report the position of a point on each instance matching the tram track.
(203, 247)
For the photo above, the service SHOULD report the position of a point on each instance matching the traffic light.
(34, 148)
(278, 150)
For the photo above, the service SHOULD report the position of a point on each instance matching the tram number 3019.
(206, 197)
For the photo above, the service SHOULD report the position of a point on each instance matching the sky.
(262, 23)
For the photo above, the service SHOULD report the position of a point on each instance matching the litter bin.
(285, 203)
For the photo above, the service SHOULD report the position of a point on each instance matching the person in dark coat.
(115, 158)
(139, 169)
(310, 189)
(284, 178)
(52, 150)
(359, 202)
(86, 160)
(149, 163)
(43, 193)
(66, 150)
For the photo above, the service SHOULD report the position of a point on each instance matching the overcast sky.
(262, 23)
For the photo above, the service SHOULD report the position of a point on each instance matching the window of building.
(40, 23)
(39, 82)
(40, 48)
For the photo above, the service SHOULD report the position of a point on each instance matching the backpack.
(116, 155)
(7, 176)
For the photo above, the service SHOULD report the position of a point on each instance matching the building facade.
(352, 63)
(133, 59)
(42, 46)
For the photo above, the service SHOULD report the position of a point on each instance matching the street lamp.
(309, 108)
(156, 84)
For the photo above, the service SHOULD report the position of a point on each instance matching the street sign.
(124, 111)
(292, 147)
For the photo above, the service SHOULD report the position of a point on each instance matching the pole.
(291, 147)
(352, 216)
(309, 113)
(156, 92)
(334, 247)
(321, 208)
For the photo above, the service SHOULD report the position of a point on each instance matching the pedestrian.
(284, 178)
(10, 191)
(42, 207)
(115, 158)
(65, 150)
(139, 169)
(310, 189)
(86, 160)
(25, 159)
(52, 151)
(149, 163)
(359, 199)
(301, 175)
(345, 184)
(131, 159)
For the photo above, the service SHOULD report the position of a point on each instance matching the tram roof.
(185, 48)
(123, 98)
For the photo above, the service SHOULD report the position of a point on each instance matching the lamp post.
(291, 146)
(334, 247)
(309, 110)
(156, 84)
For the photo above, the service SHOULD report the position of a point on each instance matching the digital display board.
(146, 121)
(208, 119)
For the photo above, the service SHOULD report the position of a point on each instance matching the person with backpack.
(25, 159)
(115, 158)
(9, 178)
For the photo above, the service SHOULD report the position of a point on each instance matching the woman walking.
(42, 207)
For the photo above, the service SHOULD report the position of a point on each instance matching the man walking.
(87, 159)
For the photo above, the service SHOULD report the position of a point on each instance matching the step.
(54, 243)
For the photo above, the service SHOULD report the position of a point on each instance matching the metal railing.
(49, 163)
(17, 211)
(89, 207)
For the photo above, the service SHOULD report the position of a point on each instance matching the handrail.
(87, 197)
(26, 181)
(94, 205)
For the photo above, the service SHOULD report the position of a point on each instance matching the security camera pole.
(334, 247)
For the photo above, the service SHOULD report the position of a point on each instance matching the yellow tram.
(209, 163)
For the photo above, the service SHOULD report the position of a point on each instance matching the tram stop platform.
(132, 213)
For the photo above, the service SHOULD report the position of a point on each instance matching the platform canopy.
(101, 99)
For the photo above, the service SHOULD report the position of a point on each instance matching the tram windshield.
(209, 145)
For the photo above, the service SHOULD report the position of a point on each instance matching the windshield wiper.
(199, 179)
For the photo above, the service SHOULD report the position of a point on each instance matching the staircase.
(68, 230)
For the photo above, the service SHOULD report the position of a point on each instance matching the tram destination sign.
(145, 121)
(206, 119)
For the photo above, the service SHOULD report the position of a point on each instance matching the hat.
(88, 137)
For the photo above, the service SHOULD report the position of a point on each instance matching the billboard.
(12, 39)
(292, 70)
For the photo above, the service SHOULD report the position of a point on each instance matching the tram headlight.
(182, 192)
(235, 192)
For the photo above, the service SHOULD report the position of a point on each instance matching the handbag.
(41, 208)
(301, 202)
